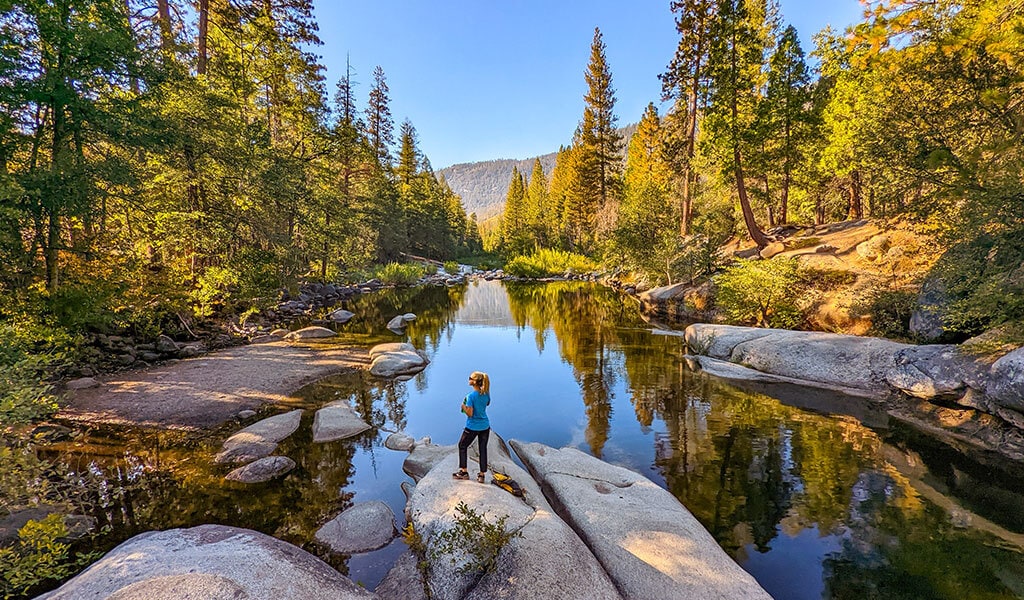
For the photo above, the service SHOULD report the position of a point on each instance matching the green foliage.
(826, 279)
(547, 263)
(473, 536)
(761, 292)
(890, 312)
(39, 555)
(400, 274)
(30, 353)
(451, 267)
(699, 345)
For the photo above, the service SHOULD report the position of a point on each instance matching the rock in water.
(364, 527)
(262, 470)
(259, 439)
(310, 333)
(212, 562)
(341, 316)
(337, 421)
(397, 322)
(399, 441)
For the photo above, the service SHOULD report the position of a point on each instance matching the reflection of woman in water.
(477, 424)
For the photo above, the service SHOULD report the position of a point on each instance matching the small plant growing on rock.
(699, 345)
(476, 537)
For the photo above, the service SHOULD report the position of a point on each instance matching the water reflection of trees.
(434, 307)
(586, 322)
(752, 468)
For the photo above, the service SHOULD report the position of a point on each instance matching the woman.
(477, 424)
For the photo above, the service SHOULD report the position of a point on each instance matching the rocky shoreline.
(940, 388)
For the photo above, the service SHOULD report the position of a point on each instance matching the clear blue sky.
(485, 79)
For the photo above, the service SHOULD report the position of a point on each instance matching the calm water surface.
(816, 495)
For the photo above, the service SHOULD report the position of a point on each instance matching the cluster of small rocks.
(313, 296)
(103, 352)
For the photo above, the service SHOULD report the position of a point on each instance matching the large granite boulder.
(395, 360)
(652, 548)
(211, 562)
(935, 371)
(838, 360)
(404, 581)
(547, 560)
(337, 421)
(363, 527)
(424, 457)
(262, 470)
(259, 439)
(1006, 381)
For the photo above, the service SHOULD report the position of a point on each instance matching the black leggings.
(466, 440)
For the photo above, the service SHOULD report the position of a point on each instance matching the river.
(816, 495)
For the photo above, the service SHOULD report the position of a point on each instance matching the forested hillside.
(482, 185)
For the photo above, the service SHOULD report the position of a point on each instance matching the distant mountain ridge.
(483, 185)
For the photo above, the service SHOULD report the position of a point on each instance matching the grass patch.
(547, 263)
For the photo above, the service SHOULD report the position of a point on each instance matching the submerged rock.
(363, 527)
(395, 360)
(652, 548)
(262, 470)
(211, 562)
(259, 439)
(337, 421)
(341, 316)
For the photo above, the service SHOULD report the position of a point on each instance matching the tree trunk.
(748, 214)
(819, 210)
(163, 11)
(856, 207)
(204, 27)
(768, 201)
(784, 207)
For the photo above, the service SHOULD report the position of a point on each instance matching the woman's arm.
(467, 408)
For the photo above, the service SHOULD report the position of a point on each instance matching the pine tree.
(536, 207)
(513, 220)
(686, 82)
(737, 59)
(379, 126)
(408, 155)
(597, 129)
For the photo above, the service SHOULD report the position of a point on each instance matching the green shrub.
(451, 267)
(890, 312)
(480, 540)
(30, 353)
(547, 262)
(826, 279)
(400, 274)
(39, 555)
(761, 292)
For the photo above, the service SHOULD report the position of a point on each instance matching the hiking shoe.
(481, 477)
(460, 475)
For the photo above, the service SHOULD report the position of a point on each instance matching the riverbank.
(207, 391)
(965, 399)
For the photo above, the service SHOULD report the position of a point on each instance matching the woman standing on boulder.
(477, 424)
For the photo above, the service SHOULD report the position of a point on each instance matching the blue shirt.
(479, 402)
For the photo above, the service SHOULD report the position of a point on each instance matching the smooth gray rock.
(653, 548)
(341, 316)
(397, 322)
(547, 561)
(337, 421)
(259, 439)
(404, 581)
(390, 347)
(82, 383)
(310, 333)
(733, 372)
(208, 562)
(1006, 381)
(392, 364)
(935, 371)
(840, 360)
(399, 441)
(875, 247)
(363, 527)
(409, 317)
(279, 332)
(424, 457)
(262, 470)
(246, 414)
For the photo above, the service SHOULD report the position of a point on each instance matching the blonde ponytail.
(482, 380)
